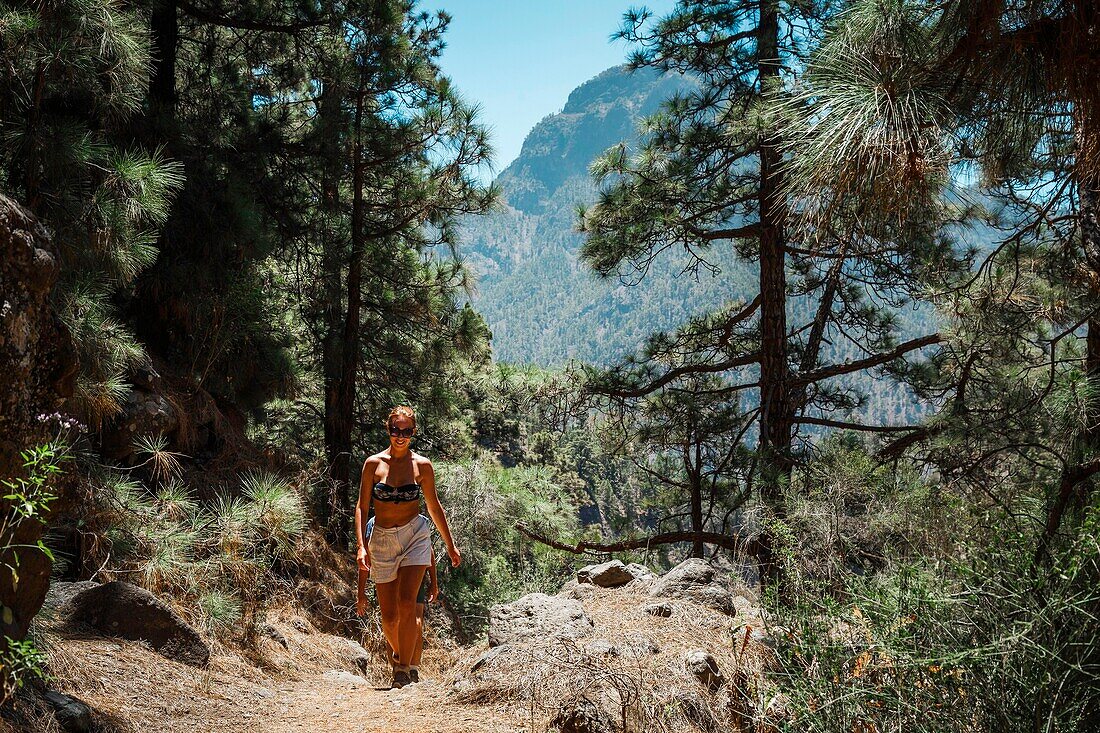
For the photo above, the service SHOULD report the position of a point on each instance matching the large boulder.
(60, 596)
(538, 616)
(38, 368)
(696, 580)
(126, 611)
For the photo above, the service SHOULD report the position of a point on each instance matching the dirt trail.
(325, 705)
(131, 688)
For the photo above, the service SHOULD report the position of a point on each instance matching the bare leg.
(409, 578)
(418, 650)
(388, 609)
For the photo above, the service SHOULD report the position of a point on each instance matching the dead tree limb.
(732, 543)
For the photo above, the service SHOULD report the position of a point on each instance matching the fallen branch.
(732, 543)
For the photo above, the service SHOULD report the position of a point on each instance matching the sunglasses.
(401, 432)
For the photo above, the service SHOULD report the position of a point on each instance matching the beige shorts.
(393, 547)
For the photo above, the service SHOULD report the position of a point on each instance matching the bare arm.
(435, 511)
(362, 507)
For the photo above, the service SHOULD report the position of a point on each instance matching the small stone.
(606, 575)
(601, 648)
(274, 634)
(704, 666)
(72, 715)
(581, 716)
(661, 610)
(344, 678)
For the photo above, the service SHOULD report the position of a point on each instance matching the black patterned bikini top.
(395, 494)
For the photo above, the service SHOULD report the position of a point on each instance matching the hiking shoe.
(400, 679)
(414, 675)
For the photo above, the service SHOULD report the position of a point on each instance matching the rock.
(582, 715)
(72, 715)
(659, 609)
(126, 611)
(341, 677)
(489, 656)
(61, 594)
(704, 666)
(576, 590)
(744, 606)
(606, 575)
(538, 616)
(696, 580)
(359, 656)
(274, 634)
(37, 371)
(638, 646)
(144, 413)
(601, 648)
(640, 572)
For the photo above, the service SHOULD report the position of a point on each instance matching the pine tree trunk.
(332, 499)
(1077, 475)
(344, 409)
(164, 23)
(776, 418)
(695, 478)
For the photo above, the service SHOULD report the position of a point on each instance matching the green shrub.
(25, 499)
(968, 635)
(219, 558)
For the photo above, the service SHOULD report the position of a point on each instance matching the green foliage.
(74, 73)
(994, 644)
(26, 499)
(20, 661)
(484, 502)
(219, 558)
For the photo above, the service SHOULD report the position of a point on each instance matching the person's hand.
(433, 593)
(361, 605)
(363, 558)
(455, 555)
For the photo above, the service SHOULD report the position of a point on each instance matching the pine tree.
(710, 173)
(900, 97)
(394, 138)
(74, 75)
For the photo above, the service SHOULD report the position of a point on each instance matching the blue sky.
(520, 59)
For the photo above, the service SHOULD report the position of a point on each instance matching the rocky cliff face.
(37, 370)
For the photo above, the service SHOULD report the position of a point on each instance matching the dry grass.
(644, 679)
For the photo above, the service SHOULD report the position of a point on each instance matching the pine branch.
(859, 365)
(805, 420)
(727, 542)
(249, 24)
(675, 374)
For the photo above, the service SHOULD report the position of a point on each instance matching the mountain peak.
(599, 113)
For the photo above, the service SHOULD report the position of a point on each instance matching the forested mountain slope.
(545, 307)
